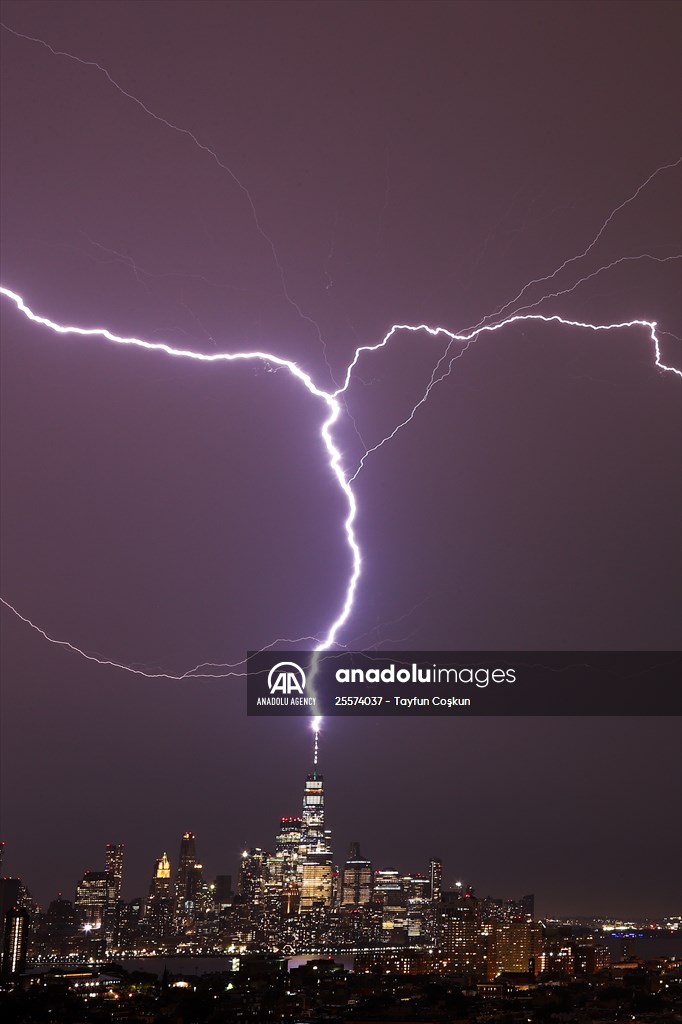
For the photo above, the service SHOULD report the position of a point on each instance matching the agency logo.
(286, 677)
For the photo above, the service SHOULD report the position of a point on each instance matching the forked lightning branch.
(334, 411)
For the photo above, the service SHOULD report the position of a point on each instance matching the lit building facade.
(158, 908)
(188, 883)
(15, 943)
(94, 895)
(358, 879)
(113, 865)
(315, 857)
(459, 928)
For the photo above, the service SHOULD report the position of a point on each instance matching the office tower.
(389, 891)
(316, 882)
(420, 909)
(288, 845)
(252, 873)
(316, 869)
(188, 882)
(515, 946)
(459, 927)
(436, 877)
(15, 943)
(357, 879)
(93, 898)
(288, 839)
(314, 838)
(130, 922)
(57, 931)
(284, 867)
(158, 909)
(10, 896)
(388, 886)
(113, 865)
(161, 887)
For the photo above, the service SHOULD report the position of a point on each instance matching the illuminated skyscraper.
(113, 866)
(93, 897)
(315, 855)
(252, 873)
(436, 876)
(389, 891)
(357, 880)
(15, 943)
(161, 881)
(314, 838)
(515, 945)
(459, 927)
(187, 882)
(158, 911)
(289, 838)
(10, 896)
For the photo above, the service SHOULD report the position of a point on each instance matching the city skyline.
(300, 838)
(291, 900)
(285, 183)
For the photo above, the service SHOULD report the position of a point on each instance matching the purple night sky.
(412, 163)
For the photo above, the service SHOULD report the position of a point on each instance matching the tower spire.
(316, 741)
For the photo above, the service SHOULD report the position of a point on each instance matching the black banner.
(461, 684)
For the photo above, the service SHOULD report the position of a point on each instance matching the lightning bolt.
(333, 401)
(334, 407)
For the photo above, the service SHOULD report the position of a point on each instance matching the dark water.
(649, 947)
(185, 965)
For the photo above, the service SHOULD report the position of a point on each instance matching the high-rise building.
(288, 847)
(314, 838)
(93, 896)
(315, 857)
(317, 882)
(57, 931)
(389, 892)
(113, 865)
(158, 908)
(252, 874)
(10, 896)
(288, 838)
(420, 910)
(514, 946)
(357, 880)
(188, 882)
(161, 879)
(15, 943)
(459, 927)
(436, 878)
